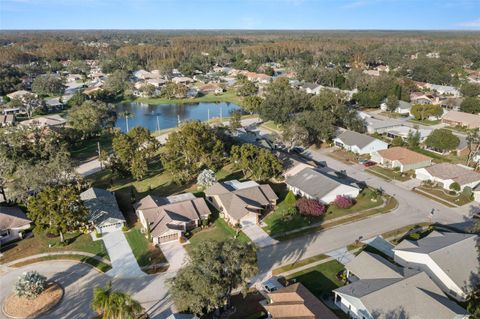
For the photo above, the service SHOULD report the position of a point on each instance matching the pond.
(163, 116)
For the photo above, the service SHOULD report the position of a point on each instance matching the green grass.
(89, 148)
(278, 222)
(144, 251)
(270, 125)
(298, 264)
(39, 244)
(321, 279)
(426, 122)
(103, 267)
(389, 174)
(459, 199)
(228, 96)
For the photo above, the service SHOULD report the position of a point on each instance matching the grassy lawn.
(38, 244)
(346, 157)
(89, 148)
(298, 264)
(228, 96)
(321, 279)
(103, 267)
(143, 250)
(457, 199)
(425, 122)
(278, 222)
(270, 125)
(389, 174)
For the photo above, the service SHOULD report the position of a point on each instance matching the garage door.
(168, 238)
(111, 227)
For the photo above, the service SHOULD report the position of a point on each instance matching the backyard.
(279, 221)
(87, 149)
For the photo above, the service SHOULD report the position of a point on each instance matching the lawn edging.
(96, 262)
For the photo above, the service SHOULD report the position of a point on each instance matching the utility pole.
(221, 115)
(158, 124)
(208, 115)
(126, 120)
(178, 119)
(98, 151)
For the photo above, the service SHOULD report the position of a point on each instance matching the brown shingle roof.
(403, 155)
(296, 301)
(12, 217)
(467, 119)
(454, 172)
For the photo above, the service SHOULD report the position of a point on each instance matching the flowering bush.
(30, 285)
(310, 207)
(344, 201)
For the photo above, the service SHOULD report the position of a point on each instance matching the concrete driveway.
(175, 254)
(123, 261)
(342, 255)
(89, 168)
(259, 237)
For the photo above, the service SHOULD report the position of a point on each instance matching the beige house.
(168, 218)
(456, 118)
(241, 202)
(13, 223)
(402, 158)
(446, 174)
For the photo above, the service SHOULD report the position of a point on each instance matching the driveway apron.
(123, 261)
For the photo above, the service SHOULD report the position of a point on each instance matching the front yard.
(347, 157)
(443, 196)
(40, 243)
(143, 250)
(389, 174)
(279, 222)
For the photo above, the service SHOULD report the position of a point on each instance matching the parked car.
(296, 149)
(369, 163)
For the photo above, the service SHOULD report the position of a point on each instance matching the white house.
(401, 158)
(447, 174)
(104, 213)
(13, 223)
(359, 143)
(402, 108)
(450, 259)
(307, 182)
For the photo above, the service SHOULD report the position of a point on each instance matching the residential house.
(311, 88)
(449, 259)
(401, 158)
(53, 120)
(473, 76)
(456, 118)
(296, 302)
(168, 218)
(424, 98)
(444, 90)
(211, 88)
(7, 120)
(447, 174)
(182, 316)
(404, 131)
(359, 143)
(54, 103)
(380, 126)
(241, 202)
(13, 224)
(104, 213)
(19, 94)
(381, 290)
(305, 181)
(402, 108)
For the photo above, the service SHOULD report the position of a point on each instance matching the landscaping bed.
(458, 199)
(39, 244)
(18, 307)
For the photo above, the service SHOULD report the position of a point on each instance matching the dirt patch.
(17, 307)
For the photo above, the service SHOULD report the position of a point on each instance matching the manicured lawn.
(145, 252)
(346, 157)
(298, 264)
(270, 125)
(103, 267)
(89, 148)
(39, 244)
(321, 279)
(425, 122)
(228, 96)
(389, 174)
(218, 231)
(457, 199)
(279, 222)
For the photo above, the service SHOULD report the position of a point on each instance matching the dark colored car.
(369, 163)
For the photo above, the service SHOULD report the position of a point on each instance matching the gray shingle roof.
(371, 266)
(12, 217)
(314, 183)
(102, 206)
(454, 172)
(352, 138)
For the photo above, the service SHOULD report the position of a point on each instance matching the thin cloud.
(470, 24)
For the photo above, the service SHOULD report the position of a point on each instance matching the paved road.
(79, 280)
(413, 208)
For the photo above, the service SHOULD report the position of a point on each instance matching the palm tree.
(114, 304)
(126, 115)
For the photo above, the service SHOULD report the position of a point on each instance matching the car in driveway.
(272, 284)
(369, 163)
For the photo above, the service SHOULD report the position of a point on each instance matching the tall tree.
(48, 85)
(470, 105)
(215, 270)
(259, 163)
(113, 304)
(57, 210)
(392, 103)
(442, 140)
(91, 118)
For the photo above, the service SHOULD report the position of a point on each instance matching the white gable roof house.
(359, 143)
(450, 259)
(447, 174)
(382, 290)
(307, 182)
(104, 212)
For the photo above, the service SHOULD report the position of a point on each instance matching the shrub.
(310, 207)
(206, 178)
(98, 234)
(344, 201)
(124, 228)
(30, 284)
(290, 199)
(455, 186)
(467, 192)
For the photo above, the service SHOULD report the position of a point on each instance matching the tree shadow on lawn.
(319, 284)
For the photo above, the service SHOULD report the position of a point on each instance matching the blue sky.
(240, 14)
